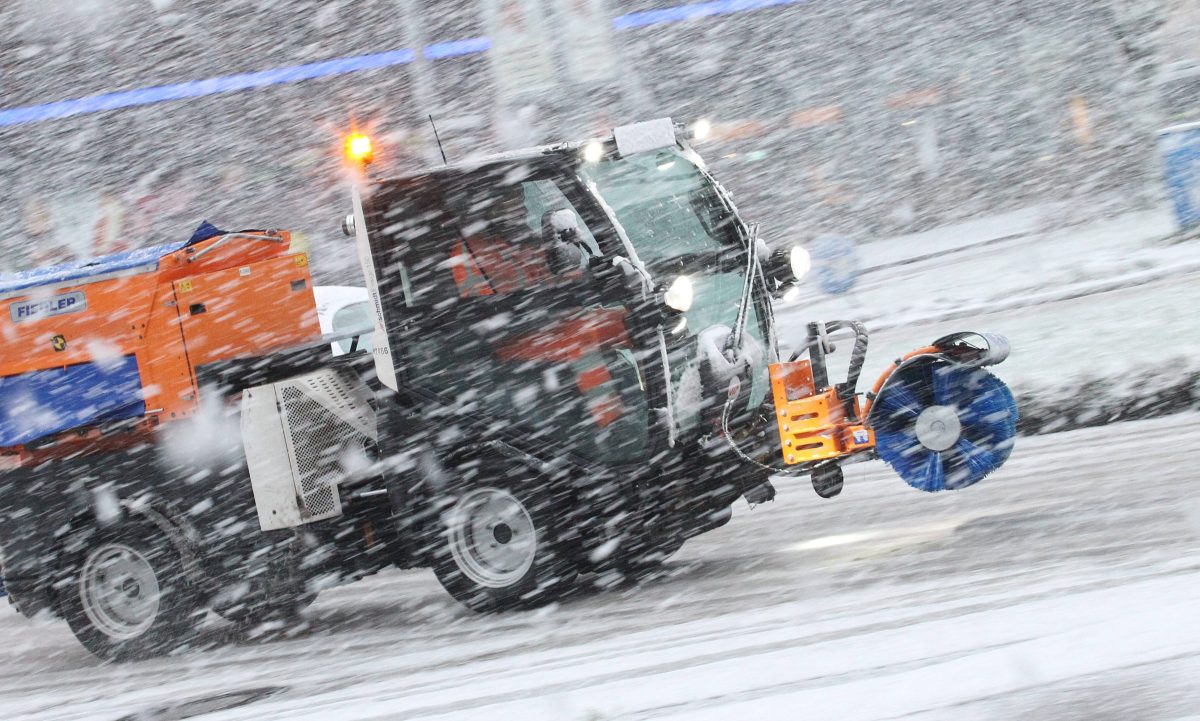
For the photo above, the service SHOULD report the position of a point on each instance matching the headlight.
(800, 261)
(680, 295)
(593, 152)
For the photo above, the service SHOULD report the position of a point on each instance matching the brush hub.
(938, 427)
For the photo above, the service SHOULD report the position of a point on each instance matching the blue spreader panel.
(37, 404)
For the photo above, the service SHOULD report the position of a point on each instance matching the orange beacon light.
(359, 149)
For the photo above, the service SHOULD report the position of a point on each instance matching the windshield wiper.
(726, 260)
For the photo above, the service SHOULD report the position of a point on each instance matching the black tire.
(127, 596)
(498, 545)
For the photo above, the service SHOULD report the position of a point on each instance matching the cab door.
(499, 331)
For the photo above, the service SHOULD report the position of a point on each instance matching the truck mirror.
(562, 224)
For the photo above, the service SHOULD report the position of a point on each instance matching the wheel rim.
(492, 537)
(119, 590)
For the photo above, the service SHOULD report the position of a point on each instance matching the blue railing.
(341, 66)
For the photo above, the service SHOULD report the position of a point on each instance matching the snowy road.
(1099, 336)
(1066, 587)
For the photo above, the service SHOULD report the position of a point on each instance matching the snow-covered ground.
(1064, 587)
(1004, 259)
(1088, 301)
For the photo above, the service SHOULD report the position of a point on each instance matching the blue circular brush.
(943, 426)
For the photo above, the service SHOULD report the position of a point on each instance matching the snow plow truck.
(574, 368)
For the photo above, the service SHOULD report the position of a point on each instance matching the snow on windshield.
(665, 204)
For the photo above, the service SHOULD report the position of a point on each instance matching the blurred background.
(1028, 168)
(127, 122)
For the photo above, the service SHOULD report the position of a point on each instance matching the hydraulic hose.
(858, 357)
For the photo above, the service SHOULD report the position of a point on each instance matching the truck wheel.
(499, 550)
(127, 597)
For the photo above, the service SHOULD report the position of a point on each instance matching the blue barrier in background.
(199, 88)
(341, 66)
(1181, 164)
(680, 13)
(835, 260)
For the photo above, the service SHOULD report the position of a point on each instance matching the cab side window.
(543, 197)
(506, 237)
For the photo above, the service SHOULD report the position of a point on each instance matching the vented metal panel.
(317, 437)
(325, 414)
(343, 397)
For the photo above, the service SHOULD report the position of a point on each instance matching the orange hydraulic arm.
(887, 373)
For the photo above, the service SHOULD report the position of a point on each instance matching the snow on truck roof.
(84, 269)
(482, 161)
(629, 139)
(81, 270)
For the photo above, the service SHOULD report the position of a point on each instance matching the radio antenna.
(439, 140)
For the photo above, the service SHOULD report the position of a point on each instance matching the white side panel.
(266, 443)
(382, 350)
(343, 397)
(304, 437)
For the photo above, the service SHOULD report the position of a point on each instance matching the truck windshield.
(679, 226)
(670, 211)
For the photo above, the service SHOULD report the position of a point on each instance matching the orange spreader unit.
(239, 295)
(813, 425)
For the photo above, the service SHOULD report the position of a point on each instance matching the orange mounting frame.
(813, 426)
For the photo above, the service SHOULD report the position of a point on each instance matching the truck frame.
(574, 369)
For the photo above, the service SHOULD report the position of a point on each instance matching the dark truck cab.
(532, 348)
